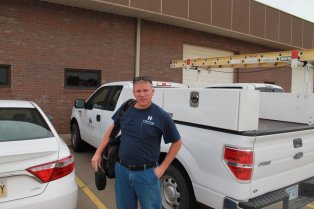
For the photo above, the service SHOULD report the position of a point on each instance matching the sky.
(300, 8)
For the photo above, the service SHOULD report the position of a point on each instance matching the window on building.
(5, 75)
(78, 78)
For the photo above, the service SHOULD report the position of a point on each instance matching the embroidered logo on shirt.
(149, 121)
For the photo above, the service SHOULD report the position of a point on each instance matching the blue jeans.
(133, 186)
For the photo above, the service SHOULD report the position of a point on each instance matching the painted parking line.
(90, 194)
(311, 205)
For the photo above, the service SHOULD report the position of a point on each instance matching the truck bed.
(266, 126)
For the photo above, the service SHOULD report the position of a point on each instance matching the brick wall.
(39, 40)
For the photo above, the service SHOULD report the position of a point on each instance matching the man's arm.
(97, 156)
(173, 151)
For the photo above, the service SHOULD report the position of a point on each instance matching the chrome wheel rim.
(170, 192)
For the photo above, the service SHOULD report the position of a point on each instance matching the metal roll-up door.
(201, 78)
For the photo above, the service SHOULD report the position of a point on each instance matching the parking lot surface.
(85, 174)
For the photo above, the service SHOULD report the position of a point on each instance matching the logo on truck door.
(194, 99)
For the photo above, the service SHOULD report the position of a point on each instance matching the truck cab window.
(105, 98)
(114, 98)
(99, 99)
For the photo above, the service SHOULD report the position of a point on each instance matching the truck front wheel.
(77, 143)
(175, 191)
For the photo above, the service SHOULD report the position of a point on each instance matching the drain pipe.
(138, 47)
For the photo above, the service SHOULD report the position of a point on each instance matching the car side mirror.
(79, 103)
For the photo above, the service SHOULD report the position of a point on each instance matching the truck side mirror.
(79, 103)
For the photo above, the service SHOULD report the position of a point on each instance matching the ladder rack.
(268, 59)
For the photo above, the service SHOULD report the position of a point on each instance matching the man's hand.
(159, 171)
(96, 159)
(173, 150)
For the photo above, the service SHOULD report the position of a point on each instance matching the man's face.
(143, 93)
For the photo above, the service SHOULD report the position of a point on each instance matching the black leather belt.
(139, 167)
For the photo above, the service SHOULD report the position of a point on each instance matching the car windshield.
(22, 124)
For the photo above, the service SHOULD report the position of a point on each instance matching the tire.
(176, 192)
(77, 143)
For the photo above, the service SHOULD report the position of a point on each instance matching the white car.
(36, 166)
(263, 87)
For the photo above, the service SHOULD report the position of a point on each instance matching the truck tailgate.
(281, 160)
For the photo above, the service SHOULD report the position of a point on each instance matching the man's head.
(143, 91)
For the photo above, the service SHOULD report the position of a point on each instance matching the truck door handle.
(297, 143)
(298, 155)
(98, 118)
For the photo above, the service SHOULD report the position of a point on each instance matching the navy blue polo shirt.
(141, 133)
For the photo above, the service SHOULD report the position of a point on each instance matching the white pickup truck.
(241, 148)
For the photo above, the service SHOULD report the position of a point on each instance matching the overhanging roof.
(126, 10)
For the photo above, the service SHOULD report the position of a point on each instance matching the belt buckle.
(130, 167)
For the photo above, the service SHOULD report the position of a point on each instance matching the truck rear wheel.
(77, 143)
(175, 191)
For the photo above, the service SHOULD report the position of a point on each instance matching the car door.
(98, 112)
(91, 116)
(109, 110)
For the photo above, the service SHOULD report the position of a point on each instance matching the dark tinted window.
(4, 75)
(105, 98)
(269, 89)
(114, 97)
(100, 98)
(225, 87)
(75, 78)
(22, 124)
(277, 90)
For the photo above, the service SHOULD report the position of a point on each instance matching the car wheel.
(175, 192)
(77, 143)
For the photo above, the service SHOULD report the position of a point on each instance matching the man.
(142, 127)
